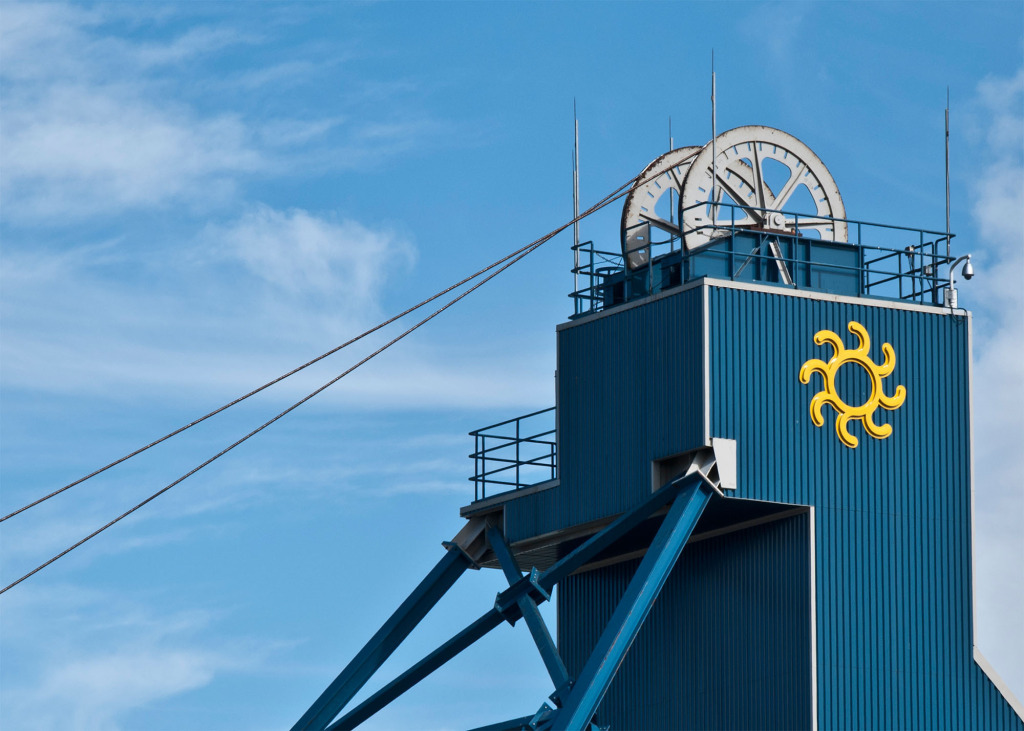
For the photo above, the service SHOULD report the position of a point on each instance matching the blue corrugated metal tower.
(755, 495)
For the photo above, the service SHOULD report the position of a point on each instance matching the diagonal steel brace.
(537, 585)
(528, 608)
(398, 626)
(635, 605)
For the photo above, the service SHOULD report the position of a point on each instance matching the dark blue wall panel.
(629, 391)
(893, 554)
(891, 551)
(727, 644)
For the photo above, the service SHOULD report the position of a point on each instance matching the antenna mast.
(947, 172)
(714, 147)
(575, 198)
(671, 202)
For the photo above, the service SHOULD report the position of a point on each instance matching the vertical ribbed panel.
(727, 644)
(630, 391)
(893, 515)
(891, 549)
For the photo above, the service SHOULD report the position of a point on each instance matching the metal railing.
(877, 260)
(514, 453)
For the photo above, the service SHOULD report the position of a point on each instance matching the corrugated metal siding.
(630, 391)
(892, 517)
(727, 644)
(893, 532)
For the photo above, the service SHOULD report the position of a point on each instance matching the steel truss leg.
(615, 530)
(388, 637)
(538, 587)
(633, 608)
(539, 630)
(419, 671)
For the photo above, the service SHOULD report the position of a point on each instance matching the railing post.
(863, 267)
(921, 274)
(576, 300)
(650, 267)
(899, 275)
(517, 454)
(732, 257)
(476, 467)
(483, 461)
(590, 252)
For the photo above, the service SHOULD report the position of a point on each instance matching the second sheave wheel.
(766, 179)
(665, 174)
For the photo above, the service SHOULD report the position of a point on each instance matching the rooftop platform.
(878, 261)
(519, 456)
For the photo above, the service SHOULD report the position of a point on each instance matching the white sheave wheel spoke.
(764, 179)
(789, 187)
(750, 201)
(665, 174)
(740, 166)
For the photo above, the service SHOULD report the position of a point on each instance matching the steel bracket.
(471, 541)
(618, 635)
(715, 465)
(507, 602)
(574, 703)
(562, 691)
(542, 716)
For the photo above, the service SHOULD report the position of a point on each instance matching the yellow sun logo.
(844, 412)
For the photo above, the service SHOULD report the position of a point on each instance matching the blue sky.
(197, 197)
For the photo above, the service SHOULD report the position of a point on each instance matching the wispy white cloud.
(98, 122)
(248, 299)
(32, 31)
(998, 296)
(79, 152)
(26, 547)
(288, 71)
(51, 40)
(303, 254)
(95, 692)
(289, 132)
(193, 43)
(220, 310)
(87, 658)
(340, 465)
(998, 198)
(87, 132)
(94, 128)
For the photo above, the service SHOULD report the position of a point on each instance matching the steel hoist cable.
(605, 201)
(498, 266)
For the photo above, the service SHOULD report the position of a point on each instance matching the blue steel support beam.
(615, 530)
(419, 671)
(383, 643)
(504, 555)
(539, 630)
(634, 607)
(508, 600)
